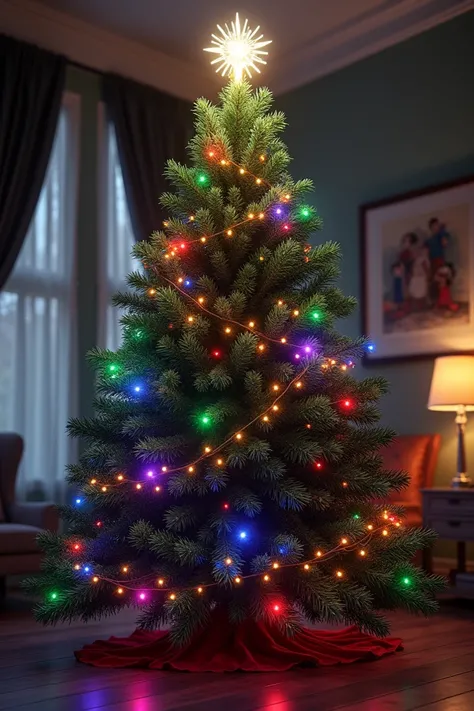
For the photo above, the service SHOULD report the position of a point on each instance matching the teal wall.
(400, 120)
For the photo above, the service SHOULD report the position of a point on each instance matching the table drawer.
(457, 529)
(450, 505)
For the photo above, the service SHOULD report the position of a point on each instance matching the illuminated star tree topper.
(239, 49)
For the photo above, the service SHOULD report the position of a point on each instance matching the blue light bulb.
(243, 535)
(187, 282)
(86, 569)
(78, 502)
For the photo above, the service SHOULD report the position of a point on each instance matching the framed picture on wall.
(418, 272)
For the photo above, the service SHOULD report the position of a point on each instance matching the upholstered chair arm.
(41, 514)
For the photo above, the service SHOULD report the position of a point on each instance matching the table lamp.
(452, 390)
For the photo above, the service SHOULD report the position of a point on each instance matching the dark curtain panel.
(150, 127)
(31, 86)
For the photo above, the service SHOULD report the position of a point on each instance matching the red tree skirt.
(250, 646)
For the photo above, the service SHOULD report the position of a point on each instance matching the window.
(118, 240)
(37, 325)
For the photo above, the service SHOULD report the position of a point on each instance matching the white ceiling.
(181, 28)
(160, 42)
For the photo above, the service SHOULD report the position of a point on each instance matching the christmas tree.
(233, 463)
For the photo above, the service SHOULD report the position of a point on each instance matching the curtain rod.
(85, 67)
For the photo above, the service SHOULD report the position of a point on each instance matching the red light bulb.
(276, 608)
(318, 465)
(216, 353)
(347, 403)
(225, 507)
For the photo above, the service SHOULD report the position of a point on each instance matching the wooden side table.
(450, 512)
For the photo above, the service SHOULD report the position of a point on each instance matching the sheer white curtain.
(117, 241)
(37, 325)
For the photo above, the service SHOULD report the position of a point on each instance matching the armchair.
(417, 455)
(22, 522)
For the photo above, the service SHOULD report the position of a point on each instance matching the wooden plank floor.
(434, 673)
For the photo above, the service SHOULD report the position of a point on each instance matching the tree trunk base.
(250, 646)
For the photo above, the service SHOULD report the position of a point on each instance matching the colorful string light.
(344, 546)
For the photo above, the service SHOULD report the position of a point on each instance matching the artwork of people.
(418, 272)
(427, 274)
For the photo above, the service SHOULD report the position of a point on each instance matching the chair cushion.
(409, 453)
(18, 538)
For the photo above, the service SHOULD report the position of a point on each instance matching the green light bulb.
(205, 420)
(53, 596)
(406, 581)
(202, 179)
(316, 315)
(112, 368)
(356, 516)
(305, 212)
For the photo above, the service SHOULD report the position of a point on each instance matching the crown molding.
(391, 22)
(101, 50)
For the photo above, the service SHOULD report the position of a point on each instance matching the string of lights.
(209, 451)
(250, 326)
(345, 545)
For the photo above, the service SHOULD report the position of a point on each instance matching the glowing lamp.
(243, 535)
(452, 390)
(78, 502)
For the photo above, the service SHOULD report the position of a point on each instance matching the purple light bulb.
(150, 473)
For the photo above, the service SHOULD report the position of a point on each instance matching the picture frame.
(417, 262)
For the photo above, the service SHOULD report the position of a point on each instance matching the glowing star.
(239, 49)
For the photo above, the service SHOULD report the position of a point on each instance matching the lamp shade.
(452, 383)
